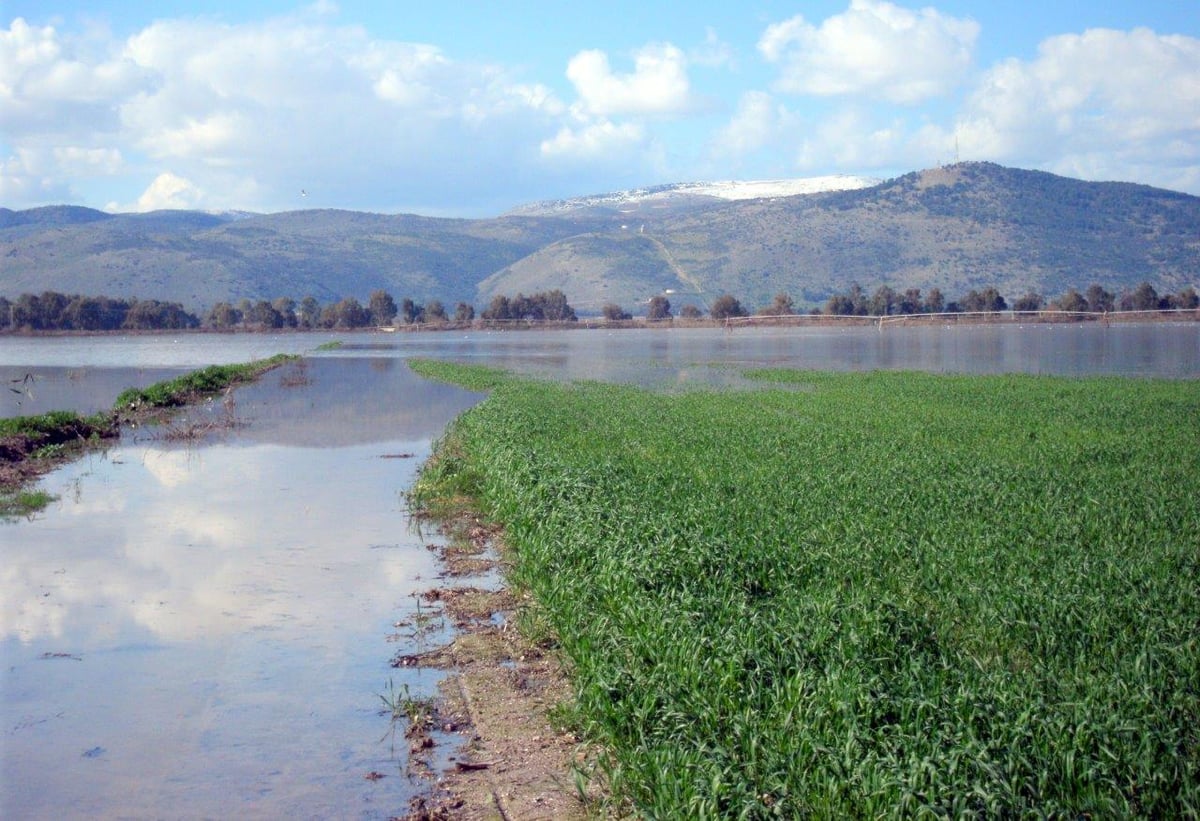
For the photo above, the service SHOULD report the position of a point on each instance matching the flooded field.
(203, 628)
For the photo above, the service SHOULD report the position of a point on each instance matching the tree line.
(53, 311)
(886, 301)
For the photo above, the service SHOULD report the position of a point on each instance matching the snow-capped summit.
(684, 192)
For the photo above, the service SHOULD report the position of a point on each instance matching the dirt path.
(499, 697)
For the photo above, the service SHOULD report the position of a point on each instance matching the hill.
(970, 225)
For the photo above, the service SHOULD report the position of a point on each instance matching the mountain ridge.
(958, 227)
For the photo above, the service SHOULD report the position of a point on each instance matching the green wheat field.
(860, 594)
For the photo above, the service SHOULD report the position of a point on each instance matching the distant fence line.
(806, 319)
(1044, 315)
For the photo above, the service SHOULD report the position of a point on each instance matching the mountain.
(956, 228)
(686, 195)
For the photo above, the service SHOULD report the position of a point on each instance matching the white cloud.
(713, 52)
(658, 84)
(1102, 104)
(602, 140)
(49, 93)
(874, 48)
(170, 191)
(262, 109)
(755, 124)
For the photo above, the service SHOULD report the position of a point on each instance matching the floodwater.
(200, 629)
(204, 630)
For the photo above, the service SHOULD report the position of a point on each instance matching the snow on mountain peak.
(724, 190)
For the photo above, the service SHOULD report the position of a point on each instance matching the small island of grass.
(30, 446)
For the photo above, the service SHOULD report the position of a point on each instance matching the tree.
(150, 314)
(910, 302)
(1030, 302)
(726, 307)
(264, 315)
(883, 301)
(553, 306)
(935, 303)
(52, 305)
(26, 313)
(244, 307)
(310, 312)
(382, 308)
(1142, 298)
(1187, 299)
(499, 308)
(348, 313)
(89, 313)
(690, 311)
(223, 316)
(410, 312)
(987, 300)
(435, 311)
(286, 308)
(852, 303)
(781, 305)
(1098, 299)
(659, 307)
(1071, 301)
(464, 312)
(614, 312)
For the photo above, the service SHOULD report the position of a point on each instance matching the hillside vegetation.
(962, 227)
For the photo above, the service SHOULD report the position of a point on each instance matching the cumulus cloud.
(755, 124)
(170, 191)
(599, 140)
(657, 85)
(874, 48)
(1072, 109)
(262, 108)
(48, 92)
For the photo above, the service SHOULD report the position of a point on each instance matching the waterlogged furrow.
(881, 593)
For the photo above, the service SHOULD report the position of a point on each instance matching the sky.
(469, 108)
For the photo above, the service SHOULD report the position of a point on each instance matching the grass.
(883, 594)
(30, 445)
(23, 503)
(197, 384)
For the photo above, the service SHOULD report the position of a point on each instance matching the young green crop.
(203, 382)
(865, 594)
(51, 437)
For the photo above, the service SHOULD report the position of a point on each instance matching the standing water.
(204, 630)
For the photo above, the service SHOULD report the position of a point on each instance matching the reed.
(864, 594)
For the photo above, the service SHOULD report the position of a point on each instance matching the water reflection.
(201, 631)
(681, 356)
(30, 391)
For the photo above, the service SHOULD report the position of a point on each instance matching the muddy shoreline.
(499, 699)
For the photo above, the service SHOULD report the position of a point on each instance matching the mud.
(512, 761)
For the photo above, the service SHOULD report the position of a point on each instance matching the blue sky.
(470, 108)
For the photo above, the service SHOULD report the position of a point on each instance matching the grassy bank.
(862, 594)
(32, 445)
